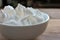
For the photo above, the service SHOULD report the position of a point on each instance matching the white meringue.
(21, 15)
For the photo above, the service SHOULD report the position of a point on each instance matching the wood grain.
(52, 32)
(53, 12)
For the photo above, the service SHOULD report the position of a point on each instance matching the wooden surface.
(53, 12)
(52, 32)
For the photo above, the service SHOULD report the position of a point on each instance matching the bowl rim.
(29, 25)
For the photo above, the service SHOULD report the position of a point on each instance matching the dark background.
(34, 3)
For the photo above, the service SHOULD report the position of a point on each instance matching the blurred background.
(49, 6)
(32, 3)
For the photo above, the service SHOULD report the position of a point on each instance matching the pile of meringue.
(20, 15)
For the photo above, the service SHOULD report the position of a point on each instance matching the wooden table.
(52, 32)
(54, 13)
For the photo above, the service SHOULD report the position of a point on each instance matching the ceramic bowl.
(24, 32)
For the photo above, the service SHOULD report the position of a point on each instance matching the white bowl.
(24, 32)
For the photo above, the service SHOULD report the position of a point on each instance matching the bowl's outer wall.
(29, 32)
